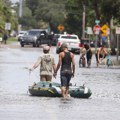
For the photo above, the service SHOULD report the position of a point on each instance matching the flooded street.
(17, 104)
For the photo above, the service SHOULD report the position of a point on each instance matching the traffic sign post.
(105, 30)
(96, 30)
(7, 26)
(117, 33)
(60, 28)
(89, 32)
(97, 21)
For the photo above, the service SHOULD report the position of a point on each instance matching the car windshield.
(69, 37)
(34, 32)
(56, 36)
(21, 33)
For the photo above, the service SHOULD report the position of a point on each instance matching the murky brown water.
(16, 104)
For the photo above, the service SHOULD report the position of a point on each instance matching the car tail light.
(59, 43)
(80, 45)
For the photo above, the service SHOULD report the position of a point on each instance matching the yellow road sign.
(60, 27)
(104, 30)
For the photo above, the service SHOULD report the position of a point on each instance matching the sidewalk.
(10, 45)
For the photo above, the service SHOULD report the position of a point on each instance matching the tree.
(49, 12)
(6, 15)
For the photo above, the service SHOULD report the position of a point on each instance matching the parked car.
(86, 41)
(72, 41)
(21, 33)
(35, 37)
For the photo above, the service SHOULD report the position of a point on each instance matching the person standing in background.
(5, 37)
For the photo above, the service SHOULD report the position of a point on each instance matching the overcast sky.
(14, 1)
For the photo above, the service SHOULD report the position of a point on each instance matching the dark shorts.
(100, 56)
(89, 56)
(65, 80)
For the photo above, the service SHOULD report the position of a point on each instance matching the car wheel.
(37, 44)
(22, 45)
(34, 45)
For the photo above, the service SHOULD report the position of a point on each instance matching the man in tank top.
(66, 61)
(46, 63)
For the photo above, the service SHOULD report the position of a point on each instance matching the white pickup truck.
(72, 41)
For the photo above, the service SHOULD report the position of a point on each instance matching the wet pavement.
(17, 104)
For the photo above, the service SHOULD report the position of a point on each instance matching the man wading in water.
(47, 65)
(66, 58)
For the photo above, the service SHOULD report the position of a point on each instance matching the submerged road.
(17, 104)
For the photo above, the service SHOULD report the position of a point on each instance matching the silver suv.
(35, 37)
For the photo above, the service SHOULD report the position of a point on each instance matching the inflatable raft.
(52, 89)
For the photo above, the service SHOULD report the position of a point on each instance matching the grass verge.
(11, 40)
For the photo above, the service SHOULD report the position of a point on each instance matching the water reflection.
(16, 103)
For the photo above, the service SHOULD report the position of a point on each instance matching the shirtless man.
(66, 61)
(100, 54)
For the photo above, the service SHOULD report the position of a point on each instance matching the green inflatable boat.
(52, 89)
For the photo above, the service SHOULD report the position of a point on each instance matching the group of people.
(47, 65)
(66, 61)
(86, 50)
(100, 54)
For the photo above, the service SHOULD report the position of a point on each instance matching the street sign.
(96, 29)
(89, 31)
(118, 30)
(7, 26)
(60, 27)
(104, 30)
(97, 21)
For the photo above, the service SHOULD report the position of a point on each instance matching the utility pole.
(20, 8)
(20, 14)
(83, 23)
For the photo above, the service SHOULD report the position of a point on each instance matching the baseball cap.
(47, 48)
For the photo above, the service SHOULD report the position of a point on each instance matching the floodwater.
(17, 104)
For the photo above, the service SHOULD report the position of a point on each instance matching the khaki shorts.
(45, 77)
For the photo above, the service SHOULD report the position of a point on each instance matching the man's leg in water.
(64, 84)
(67, 92)
(63, 90)
(68, 77)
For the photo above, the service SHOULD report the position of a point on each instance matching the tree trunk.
(95, 4)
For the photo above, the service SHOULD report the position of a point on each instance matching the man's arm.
(104, 53)
(98, 55)
(59, 62)
(36, 64)
(54, 68)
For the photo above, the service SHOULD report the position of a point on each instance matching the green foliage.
(6, 15)
(43, 13)
(47, 12)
